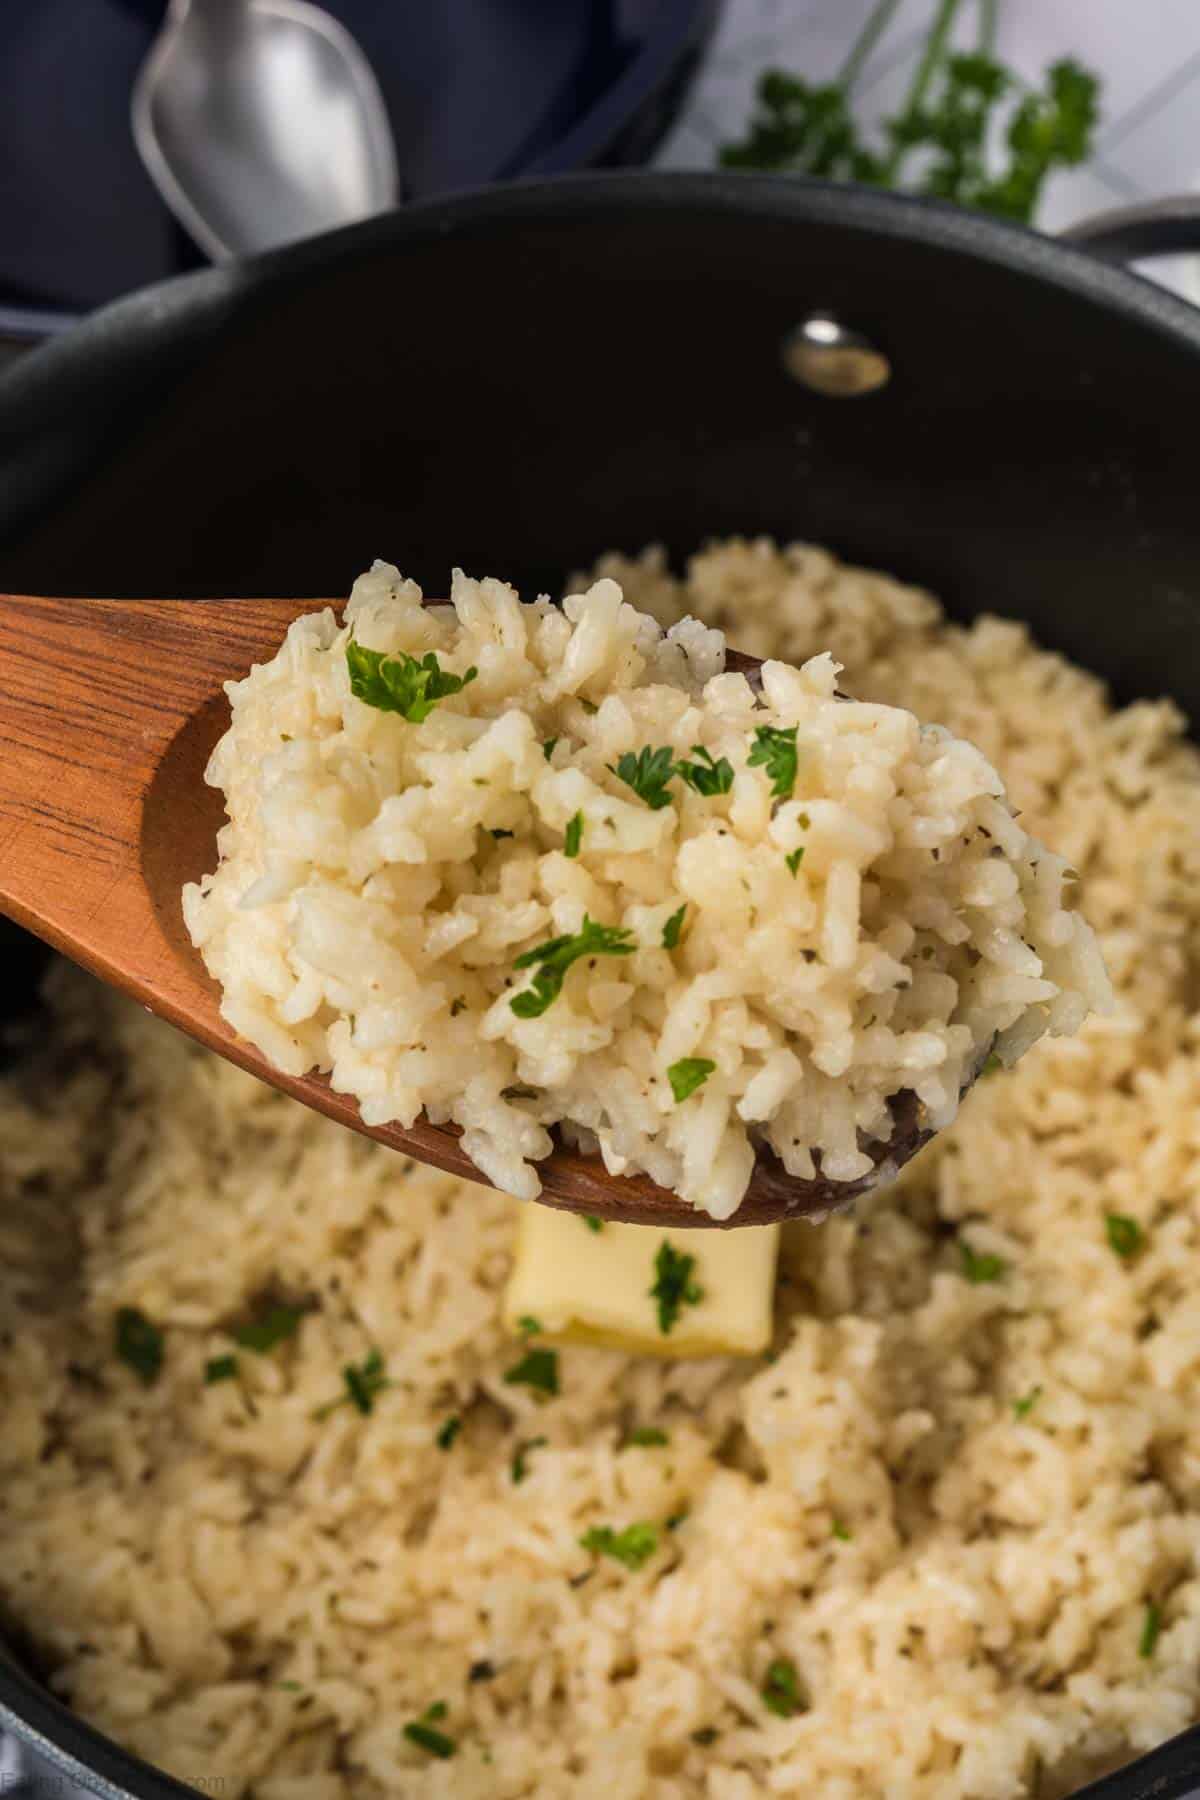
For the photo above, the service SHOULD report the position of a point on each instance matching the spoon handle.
(95, 702)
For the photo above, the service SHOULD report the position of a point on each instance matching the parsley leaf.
(955, 108)
(1025, 1405)
(520, 1456)
(686, 1075)
(633, 1546)
(261, 1335)
(647, 1437)
(1151, 1626)
(592, 1223)
(554, 958)
(220, 1368)
(364, 1382)
(1125, 1235)
(548, 748)
(647, 774)
(706, 776)
(673, 1285)
(574, 835)
(781, 1689)
(537, 1369)
(400, 683)
(991, 1065)
(672, 928)
(449, 1431)
(841, 1531)
(775, 751)
(980, 1266)
(795, 859)
(528, 1326)
(139, 1343)
(421, 1732)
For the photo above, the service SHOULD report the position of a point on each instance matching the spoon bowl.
(260, 122)
(109, 711)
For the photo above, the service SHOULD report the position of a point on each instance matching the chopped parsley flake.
(520, 1458)
(707, 1735)
(706, 776)
(686, 1075)
(672, 928)
(548, 748)
(554, 958)
(1151, 1626)
(991, 1063)
(364, 1382)
(261, 1335)
(1025, 1405)
(775, 751)
(647, 774)
(841, 1531)
(781, 1688)
(400, 683)
(592, 1222)
(500, 834)
(673, 1286)
(574, 835)
(795, 859)
(537, 1369)
(647, 1437)
(139, 1343)
(980, 1266)
(449, 1431)
(220, 1368)
(528, 1326)
(422, 1733)
(1125, 1235)
(633, 1546)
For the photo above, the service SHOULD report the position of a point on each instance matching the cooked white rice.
(258, 1599)
(864, 917)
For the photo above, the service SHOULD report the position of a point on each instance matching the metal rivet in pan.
(829, 357)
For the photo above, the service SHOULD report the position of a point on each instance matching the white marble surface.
(1147, 55)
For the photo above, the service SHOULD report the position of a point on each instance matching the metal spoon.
(260, 122)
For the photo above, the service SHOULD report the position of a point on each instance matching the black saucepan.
(518, 379)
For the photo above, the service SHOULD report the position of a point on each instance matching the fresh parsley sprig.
(139, 1342)
(775, 751)
(632, 1547)
(704, 775)
(937, 143)
(400, 683)
(363, 1382)
(686, 1075)
(553, 959)
(647, 772)
(673, 1285)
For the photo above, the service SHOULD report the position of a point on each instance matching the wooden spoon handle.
(92, 695)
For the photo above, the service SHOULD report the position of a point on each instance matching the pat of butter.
(593, 1287)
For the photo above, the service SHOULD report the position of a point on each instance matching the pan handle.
(1128, 233)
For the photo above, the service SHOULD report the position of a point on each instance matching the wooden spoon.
(109, 710)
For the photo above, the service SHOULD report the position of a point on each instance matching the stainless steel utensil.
(260, 122)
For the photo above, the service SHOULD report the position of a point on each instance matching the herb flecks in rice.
(497, 813)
